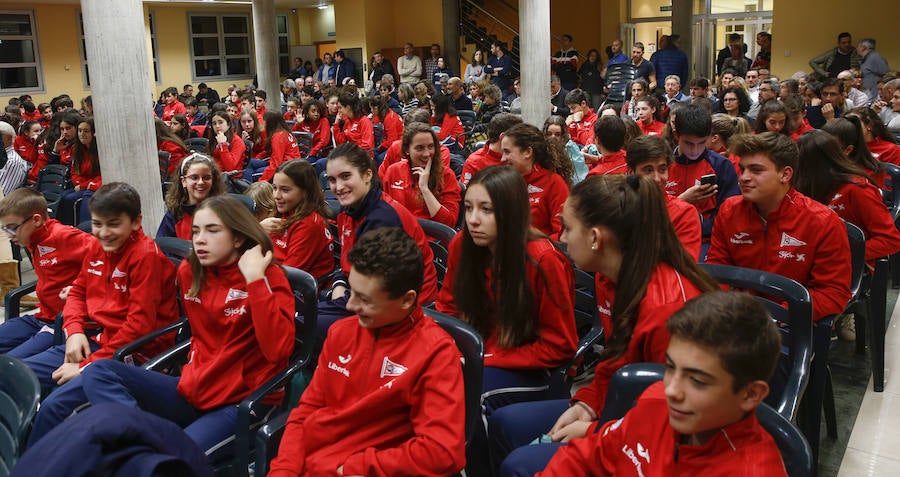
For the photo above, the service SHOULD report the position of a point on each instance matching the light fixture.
(322, 5)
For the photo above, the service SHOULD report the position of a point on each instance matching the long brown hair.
(436, 174)
(633, 208)
(274, 123)
(549, 155)
(304, 176)
(79, 151)
(236, 217)
(508, 306)
(823, 165)
(177, 194)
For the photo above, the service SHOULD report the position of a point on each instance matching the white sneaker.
(848, 328)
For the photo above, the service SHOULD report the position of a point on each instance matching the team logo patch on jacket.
(43, 249)
(788, 241)
(235, 295)
(118, 273)
(390, 368)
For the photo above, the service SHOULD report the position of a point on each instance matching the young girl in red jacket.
(646, 116)
(241, 310)
(422, 182)
(63, 146)
(168, 141)
(617, 227)
(446, 122)
(393, 125)
(879, 141)
(315, 122)
(514, 286)
(196, 178)
(225, 147)
(252, 130)
(365, 207)
(352, 125)
(826, 175)
(544, 168)
(85, 175)
(299, 233)
(850, 133)
(30, 145)
(280, 147)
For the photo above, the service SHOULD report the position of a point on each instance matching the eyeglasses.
(730, 99)
(198, 178)
(12, 229)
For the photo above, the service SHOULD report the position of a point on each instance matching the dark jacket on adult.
(670, 61)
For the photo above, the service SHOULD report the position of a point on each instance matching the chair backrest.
(20, 393)
(586, 315)
(197, 144)
(378, 133)
(438, 232)
(857, 257)
(306, 304)
(441, 256)
(164, 157)
(795, 451)
(247, 201)
(892, 186)
(471, 345)
(796, 336)
(248, 151)
(467, 118)
(52, 181)
(618, 77)
(631, 380)
(304, 142)
(175, 248)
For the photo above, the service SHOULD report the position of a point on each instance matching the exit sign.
(665, 8)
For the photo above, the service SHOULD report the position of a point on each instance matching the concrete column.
(450, 48)
(534, 59)
(120, 89)
(266, 47)
(683, 24)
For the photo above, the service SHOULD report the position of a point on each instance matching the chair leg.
(828, 406)
(895, 271)
(815, 391)
(861, 317)
(877, 322)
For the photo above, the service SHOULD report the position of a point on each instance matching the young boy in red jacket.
(387, 396)
(701, 420)
(56, 254)
(773, 228)
(124, 290)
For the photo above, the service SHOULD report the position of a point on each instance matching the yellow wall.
(793, 31)
(312, 26)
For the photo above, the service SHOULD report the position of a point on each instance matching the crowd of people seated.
(745, 170)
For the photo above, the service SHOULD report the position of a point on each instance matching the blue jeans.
(518, 424)
(25, 336)
(67, 213)
(45, 363)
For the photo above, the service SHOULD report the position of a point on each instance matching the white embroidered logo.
(741, 238)
(43, 249)
(235, 295)
(339, 369)
(118, 273)
(643, 452)
(533, 189)
(788, 241)
(345, 359)
(97, 263)
(390, 368)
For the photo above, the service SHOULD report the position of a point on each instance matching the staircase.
(481, 27)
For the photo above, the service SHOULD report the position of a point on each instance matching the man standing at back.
(565, 63)
(499, 68)
(872, 64)
(409, 66)
(431, 62)
(840, 58)
(671, 60)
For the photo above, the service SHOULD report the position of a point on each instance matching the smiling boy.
(701, 419)
(124, 290)
(387, 395)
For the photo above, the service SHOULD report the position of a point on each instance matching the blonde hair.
(263, 197)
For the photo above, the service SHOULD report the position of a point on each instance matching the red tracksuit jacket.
(644, 443)
(170, 110)
(229, 156)
(393, 129)
(377, 210)
(394, 155)
(403, 187)
(84, 179)
(686, 222)
(127, 293)
(478, 160)
(382, 402)
(57, 251)
(554, 297)
(307, 245)
(881, 150)
(547, 191)
(451, 127)
(655, 128)
(801, 239)
(242, 334)
(582, 132)
(176, 154)
(610, 164)
(284, 148)
(321, 132)
(860, 204)
(357, 130)
(667, 292)
(27, 149)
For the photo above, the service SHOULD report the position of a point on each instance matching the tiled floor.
(874, 445)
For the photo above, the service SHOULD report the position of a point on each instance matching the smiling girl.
(195, 179)
(421, 182)
(226, 147)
